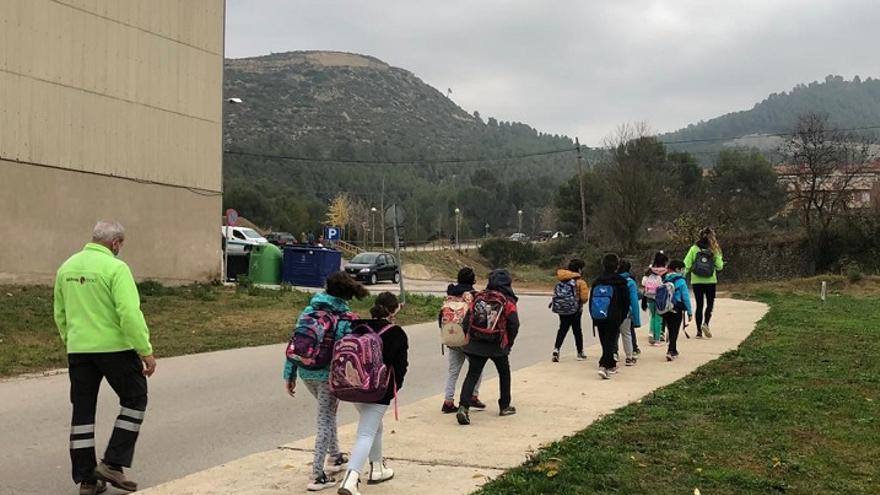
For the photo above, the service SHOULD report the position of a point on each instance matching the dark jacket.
(620, 300)
(395, 346)
(455, 290)
(500, 281)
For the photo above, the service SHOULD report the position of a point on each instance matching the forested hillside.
(325, 106)
(849, 104)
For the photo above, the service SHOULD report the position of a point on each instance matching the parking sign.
(332, 233)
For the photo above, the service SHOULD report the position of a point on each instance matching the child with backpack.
(703, 262)
(653, 279)
(633, 319)
(673, 299)
(327, 318)
(609, 305)
(492, 325)
(569, 297)
(390, 373)
(451, 320)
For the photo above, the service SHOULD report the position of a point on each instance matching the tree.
(636, 170)
(744, 190)
(339, 212)
(823, 166)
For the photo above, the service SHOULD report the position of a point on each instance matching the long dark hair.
(709, 240)
(341, 285)
(386, 305)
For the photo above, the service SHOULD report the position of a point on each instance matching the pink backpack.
(357, 371)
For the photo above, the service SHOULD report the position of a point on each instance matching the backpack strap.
(386, 328)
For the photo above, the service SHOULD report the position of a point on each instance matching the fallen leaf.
(696, 491)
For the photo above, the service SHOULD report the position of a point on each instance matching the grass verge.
(185, 320)
(444, 265)
(796, 409)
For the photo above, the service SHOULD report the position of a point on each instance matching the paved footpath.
(432, 454)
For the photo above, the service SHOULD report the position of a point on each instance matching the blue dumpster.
(309, 266)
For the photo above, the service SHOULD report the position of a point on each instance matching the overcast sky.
(582, 67)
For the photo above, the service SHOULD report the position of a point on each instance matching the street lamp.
(487, 231)
(457, 228)
(519, 224)
(234, 101)
(373, 225)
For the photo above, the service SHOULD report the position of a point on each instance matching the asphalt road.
(208, 409)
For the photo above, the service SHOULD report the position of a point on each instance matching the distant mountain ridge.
(849, 104)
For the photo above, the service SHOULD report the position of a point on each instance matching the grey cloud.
(582, 67)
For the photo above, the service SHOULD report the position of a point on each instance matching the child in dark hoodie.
(479, 351)
(456, 357)
(682, 301)
(609, 295)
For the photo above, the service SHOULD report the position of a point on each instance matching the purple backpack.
(311, 343)
(358, 372)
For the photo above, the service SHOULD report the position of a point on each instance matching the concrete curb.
(432, 454)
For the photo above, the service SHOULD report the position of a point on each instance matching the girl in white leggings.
(368, 445)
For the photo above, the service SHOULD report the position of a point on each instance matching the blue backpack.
(600, 302)
(664, 298)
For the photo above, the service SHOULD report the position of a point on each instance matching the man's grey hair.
(108, 231)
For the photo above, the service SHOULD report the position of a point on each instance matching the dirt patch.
(417, 271)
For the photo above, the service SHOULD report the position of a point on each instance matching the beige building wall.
(111, 109)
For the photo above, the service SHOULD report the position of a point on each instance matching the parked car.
(373, 268)
(241, 239)
(560, 235)
(518, 237)
(544, 235)
(281, 239)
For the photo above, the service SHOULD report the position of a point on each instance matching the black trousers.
(475, 369)
(672, 320)
(572, 322)
(124, 373)
(608, 335)
(704, 293)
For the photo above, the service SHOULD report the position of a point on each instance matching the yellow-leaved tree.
(339, 212)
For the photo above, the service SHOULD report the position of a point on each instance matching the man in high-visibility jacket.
(98, 314)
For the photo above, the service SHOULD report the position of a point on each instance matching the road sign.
(332, 233)
(391, 212)
(231, 217)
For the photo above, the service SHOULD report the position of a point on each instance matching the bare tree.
(636, 164)
(824, 167)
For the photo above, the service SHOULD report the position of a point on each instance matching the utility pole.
(382, 209)
(580, 163)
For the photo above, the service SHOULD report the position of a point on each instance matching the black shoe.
(555, 357)
(449, 407)
(463, 416)
(92, 487)
(477, 403)
(507, 411)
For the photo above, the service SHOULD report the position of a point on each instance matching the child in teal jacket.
(682, 302)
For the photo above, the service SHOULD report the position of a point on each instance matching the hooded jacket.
(692, 256)
(331, 304)
(620, 303)
(682, 297)
(583, 290)
(633, 288)
(500, 281)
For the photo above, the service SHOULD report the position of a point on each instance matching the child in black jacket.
(609, 305)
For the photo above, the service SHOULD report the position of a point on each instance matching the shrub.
(151, 288)
(501, 252)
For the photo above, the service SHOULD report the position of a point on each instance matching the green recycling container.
(265, 264)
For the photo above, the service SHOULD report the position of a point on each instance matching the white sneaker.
(604, 373)
(323, 482)
(336, 464)
(379, 473)
(581, 356)
(349, 485)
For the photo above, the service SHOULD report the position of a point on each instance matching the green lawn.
(183, 320)
(795, 410)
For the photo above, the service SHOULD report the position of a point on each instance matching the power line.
(450, 161)
(195, 190)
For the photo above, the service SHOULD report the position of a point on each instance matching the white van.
(241, 239)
